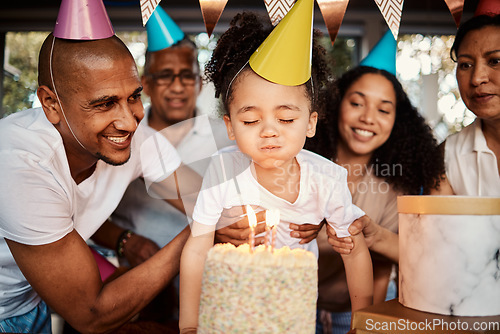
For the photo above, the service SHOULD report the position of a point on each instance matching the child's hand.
(306, 232)
(233, 226)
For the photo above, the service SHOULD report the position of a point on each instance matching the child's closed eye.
(286, 121)
(250, 122)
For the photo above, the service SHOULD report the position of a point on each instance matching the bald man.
(63, 169)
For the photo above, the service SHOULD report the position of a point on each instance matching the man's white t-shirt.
(40, 202)
(323, 194)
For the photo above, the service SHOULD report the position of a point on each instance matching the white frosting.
(259, 292)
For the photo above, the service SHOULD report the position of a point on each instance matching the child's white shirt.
(323, 194)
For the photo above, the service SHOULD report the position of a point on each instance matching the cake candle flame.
(252, 222)
(269, 225)
(272, 221)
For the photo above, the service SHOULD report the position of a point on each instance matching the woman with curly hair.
(373, 131)
(409, 148)
(472, 155)
(270, 122)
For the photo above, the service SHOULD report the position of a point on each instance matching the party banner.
(333, 12)
(147, 8)
(211, 11)
(277, 9)
(391, 10)
(456, 8)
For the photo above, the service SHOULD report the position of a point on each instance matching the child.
(268, 168)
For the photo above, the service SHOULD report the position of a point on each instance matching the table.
(391, 317)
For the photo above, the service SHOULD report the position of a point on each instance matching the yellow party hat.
(285, 56)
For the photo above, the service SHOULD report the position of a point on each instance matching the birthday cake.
(259, 291)
(449, 257)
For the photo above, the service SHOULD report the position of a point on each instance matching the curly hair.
(245, 34)
(411, 144)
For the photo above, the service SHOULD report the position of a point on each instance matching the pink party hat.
(83, 20)
(487, 7)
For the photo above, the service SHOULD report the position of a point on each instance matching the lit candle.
(272, 222)
(269, 222)
(252, 222)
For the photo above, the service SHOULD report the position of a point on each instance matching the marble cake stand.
(450, 254)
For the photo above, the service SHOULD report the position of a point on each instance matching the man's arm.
(65, 275)
(180, 190)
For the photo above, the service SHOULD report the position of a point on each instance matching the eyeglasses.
(187, 78)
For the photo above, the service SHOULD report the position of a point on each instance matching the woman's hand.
(377, 238)
(345, 245)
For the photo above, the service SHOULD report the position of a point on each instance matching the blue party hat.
(383, 54)
(162, 31)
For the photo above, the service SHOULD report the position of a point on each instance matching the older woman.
(473, 155)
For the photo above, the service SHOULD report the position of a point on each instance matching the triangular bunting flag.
(147, 8)
(333, 12)
(391, 10)
(456, 8)
(277, 9)
(211, 11)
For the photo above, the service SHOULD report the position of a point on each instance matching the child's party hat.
(487, 7)
(162, 31)
(83, 20)
(285, 56)
(383, 54)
